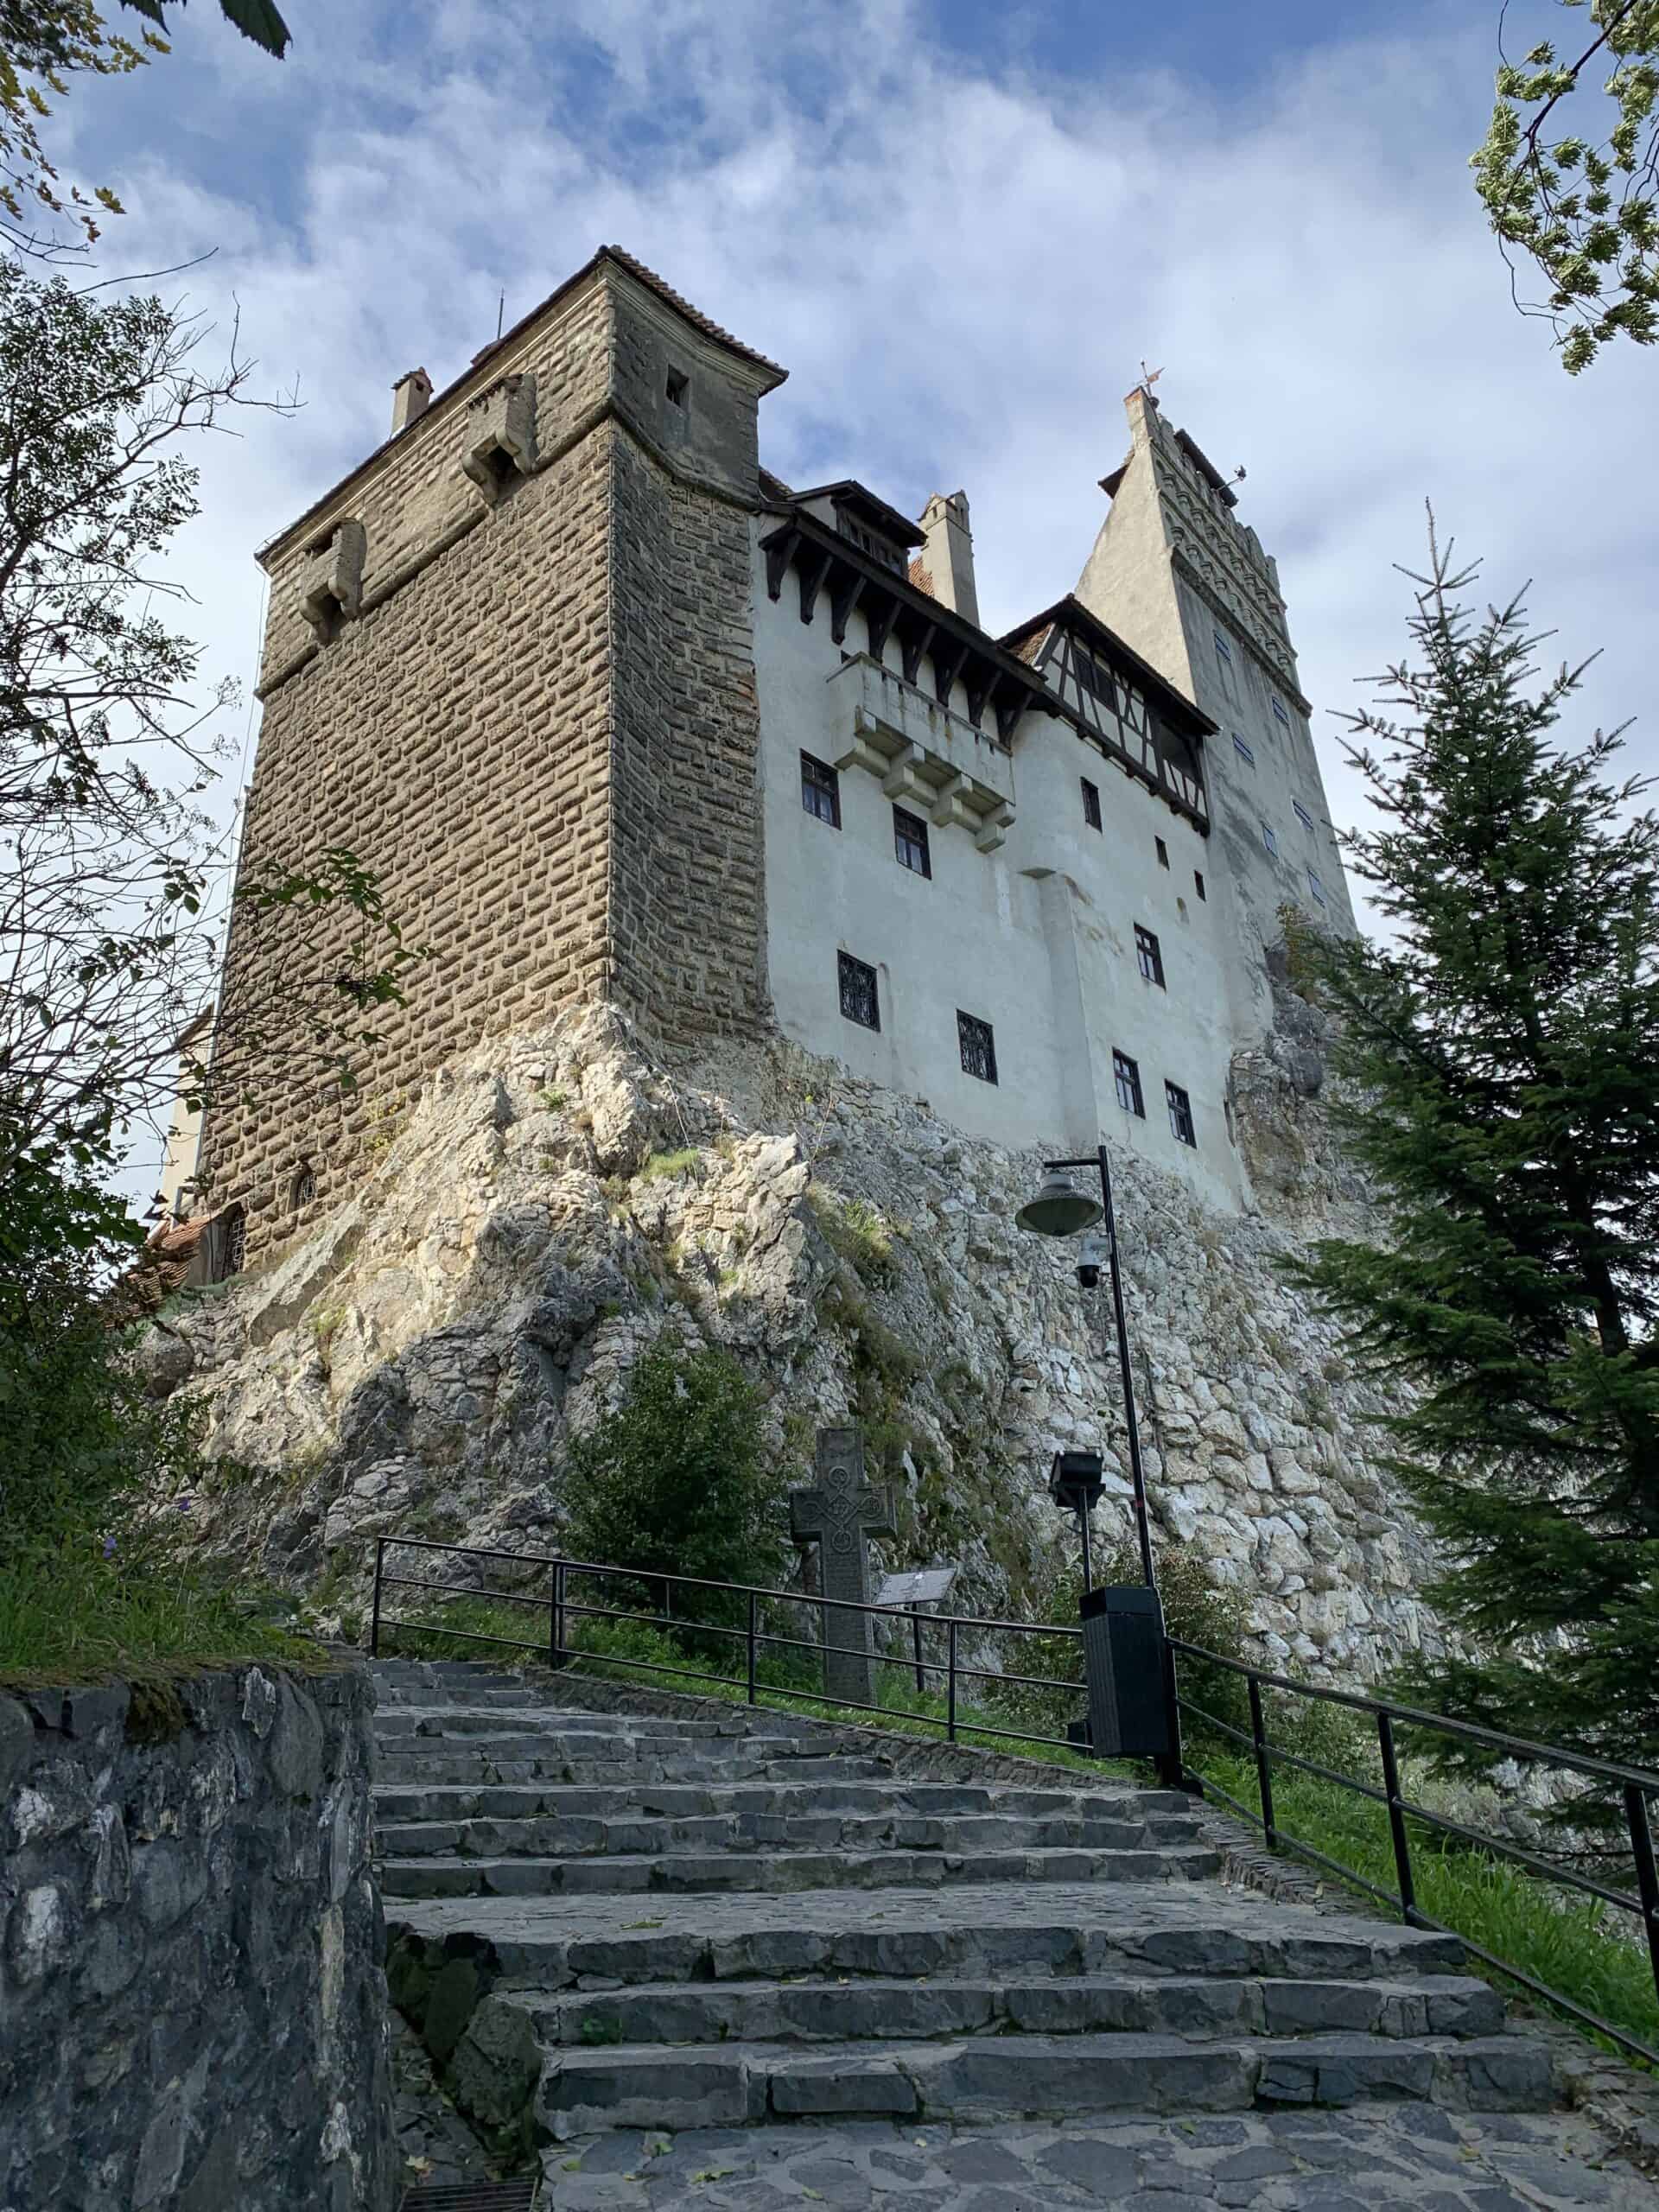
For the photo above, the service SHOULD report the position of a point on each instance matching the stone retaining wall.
(193, 2010)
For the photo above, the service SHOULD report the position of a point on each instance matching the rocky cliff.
(552, 1203)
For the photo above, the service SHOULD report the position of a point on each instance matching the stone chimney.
(949, 557)
(409, 395)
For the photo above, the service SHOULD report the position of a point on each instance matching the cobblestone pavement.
(1411, 2155)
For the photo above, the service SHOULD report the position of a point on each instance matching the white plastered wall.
(1036, 937)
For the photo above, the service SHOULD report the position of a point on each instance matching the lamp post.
(1059, 1208)
(1130, 1669)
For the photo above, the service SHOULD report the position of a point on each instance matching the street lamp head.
(1059, 1208)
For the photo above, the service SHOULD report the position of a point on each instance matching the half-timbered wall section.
(1133, 715)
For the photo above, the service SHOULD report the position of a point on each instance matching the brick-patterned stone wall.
(540, 734)
(688, 897)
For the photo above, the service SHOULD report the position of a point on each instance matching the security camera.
(1091, 1255)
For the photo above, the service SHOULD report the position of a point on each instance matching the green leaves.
(255, 19)
(1598, 249)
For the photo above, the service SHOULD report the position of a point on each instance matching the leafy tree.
(1581, 207)
(675, 1480)
(255, 19)
(109, 859)
(42, 44)
(1503, 1041)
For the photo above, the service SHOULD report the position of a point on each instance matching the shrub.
(675, 1480)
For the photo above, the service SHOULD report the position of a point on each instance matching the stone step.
(551, 1837)
(1016, 2076)
(472, 1719)
(879, 2009)
(987, 1930)
(432, 1762)
(691, 1801)
(764, 1872)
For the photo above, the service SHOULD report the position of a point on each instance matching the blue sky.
(962, 227)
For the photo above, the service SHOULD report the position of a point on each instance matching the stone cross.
(837, 1513)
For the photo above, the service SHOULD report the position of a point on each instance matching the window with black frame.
(1125, 1075)
(860, 1001)
(909, 843)
(1148, 956)
(1180, 1114)
(978, 1046)
(821, 789)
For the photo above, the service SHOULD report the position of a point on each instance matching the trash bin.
(1124, 1660)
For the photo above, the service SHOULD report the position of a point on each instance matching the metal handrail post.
(950, 1680)
(556, 1653)
(1647, 1878)
(754, 1608)
(1397, 1816)
(374, 1619)
(1263, 1764)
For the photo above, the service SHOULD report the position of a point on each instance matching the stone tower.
(1183, 581)
(508, 663)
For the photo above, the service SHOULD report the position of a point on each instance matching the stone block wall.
(193, 2011)
(688, 900)
(540, 733)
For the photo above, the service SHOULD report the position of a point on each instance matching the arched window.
(303, 1187)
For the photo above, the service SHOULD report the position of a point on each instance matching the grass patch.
(668, 1163)
(856, 1232)
(1588, 1951)
(73, 1615)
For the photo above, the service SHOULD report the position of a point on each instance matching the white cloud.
(963, 276)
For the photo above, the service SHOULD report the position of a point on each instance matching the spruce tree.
(1501, 1040)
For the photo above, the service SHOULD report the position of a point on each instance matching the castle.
(612, 711)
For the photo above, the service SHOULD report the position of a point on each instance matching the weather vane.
(1148, 376)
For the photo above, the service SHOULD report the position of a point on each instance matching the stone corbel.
(994, 829)
(331, 589)
(501, 436)
(902, 780)
(951, 809)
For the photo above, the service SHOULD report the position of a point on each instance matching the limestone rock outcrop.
(559, 1199)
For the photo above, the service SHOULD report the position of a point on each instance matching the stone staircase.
(605, 1921)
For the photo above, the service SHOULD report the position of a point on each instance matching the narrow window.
(676, 388)
(1279, 709)
(1163, 852)
(1224, 667)
(302, 1189)
(978, 1046)
(1197, 883)
(1150, 959)
(1126, 1074)
(1302, 814)
(1091, 802)
(910, 842)
(821, 790)
(859, 1002)
(1180, 1114)
(1315, 887)
(1243, 750)
(1269, 840)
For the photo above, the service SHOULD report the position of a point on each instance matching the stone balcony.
(924, 756)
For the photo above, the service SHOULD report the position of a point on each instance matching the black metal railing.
(1635, 1785)
(757, 1602)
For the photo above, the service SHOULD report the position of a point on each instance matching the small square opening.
(678, 388)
